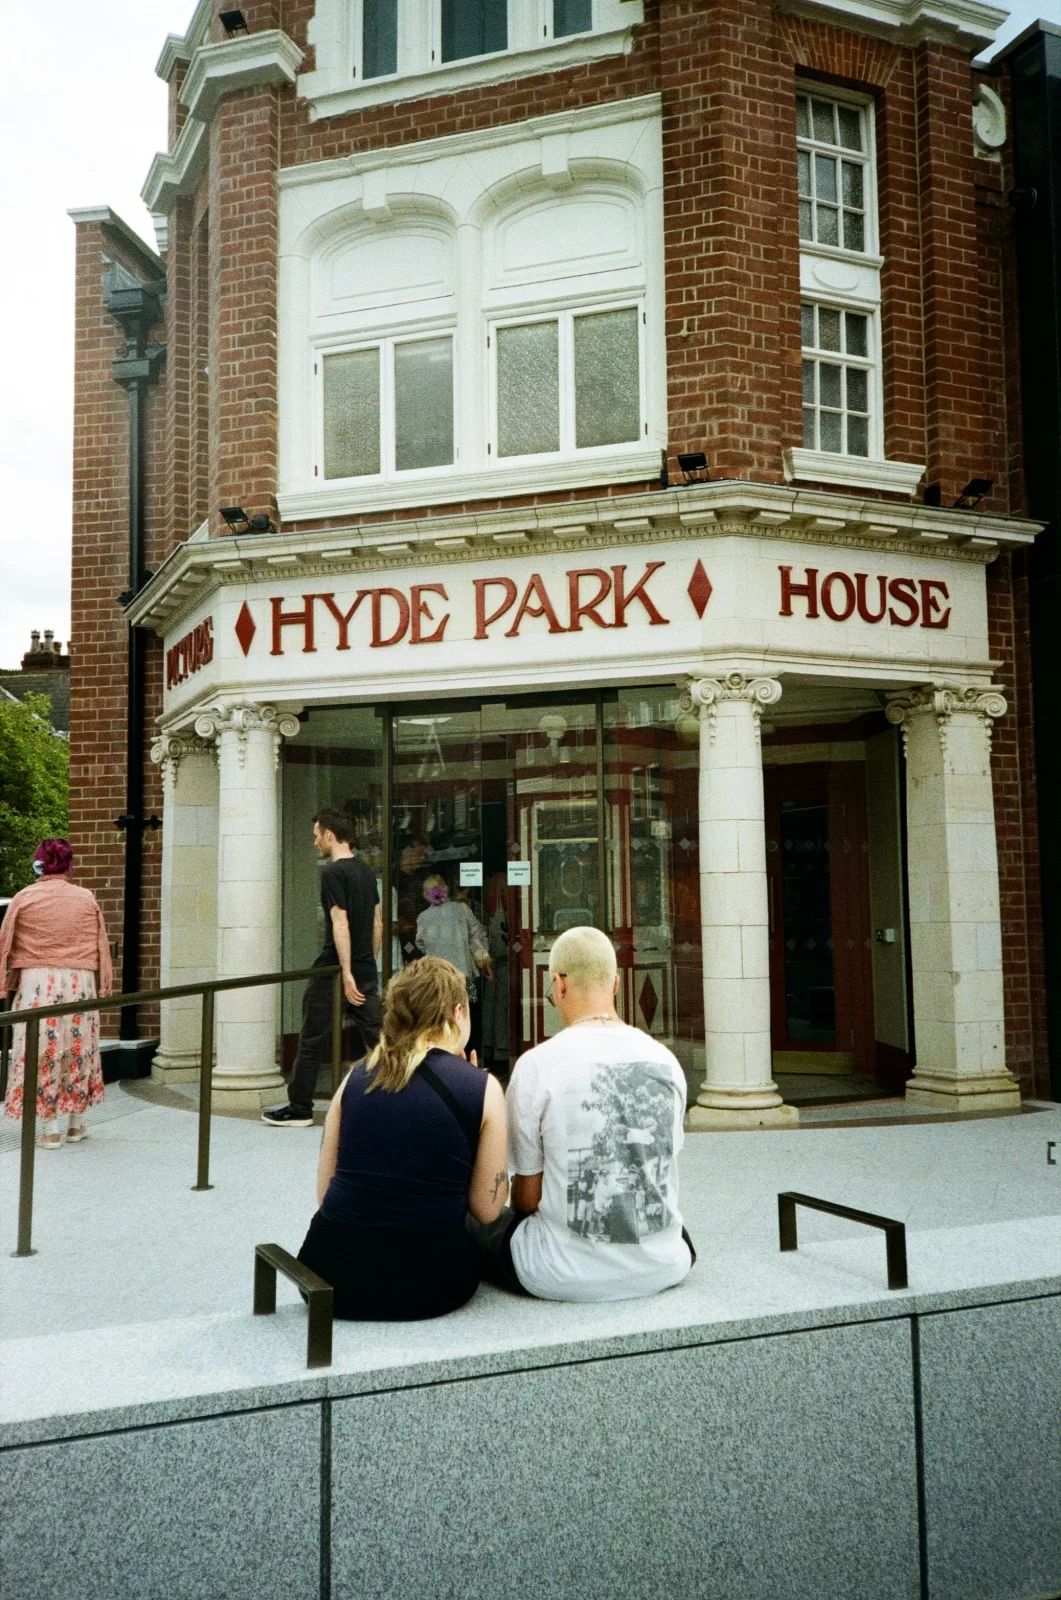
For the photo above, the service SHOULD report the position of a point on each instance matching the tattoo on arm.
(500, 1184)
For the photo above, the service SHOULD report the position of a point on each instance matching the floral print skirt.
(70, 1076)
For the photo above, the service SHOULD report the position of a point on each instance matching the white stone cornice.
(969, 23)
(176, 172)
(854, 472)
(642, 107)
(697, 511)
(244, 63)
(181, 46)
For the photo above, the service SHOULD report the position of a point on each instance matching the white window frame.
(869, 363)
(337, 84)
(385, 342)
(849, 280)
(565, 314)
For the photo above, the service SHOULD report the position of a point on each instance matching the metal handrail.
(115, 1002)
(894, 1232)
(269, 1259)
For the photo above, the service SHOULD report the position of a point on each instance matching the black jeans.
(316, 1033)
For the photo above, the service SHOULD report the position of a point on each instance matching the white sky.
(81, 115)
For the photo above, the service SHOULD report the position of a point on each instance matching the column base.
(175, 1066)
(1000, 1093)
(733, 1118)
(250, 1093)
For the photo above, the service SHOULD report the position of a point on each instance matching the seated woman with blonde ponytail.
(414, 1141)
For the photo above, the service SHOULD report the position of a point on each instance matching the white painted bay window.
(370, 51)
(840, 282)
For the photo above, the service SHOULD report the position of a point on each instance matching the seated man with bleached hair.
(594, 1129)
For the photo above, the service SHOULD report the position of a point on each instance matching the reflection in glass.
(607, 378)
(379, 38)
(528, 389)
(473, 28)
(351, 414)
(423, 404)
(572, 16)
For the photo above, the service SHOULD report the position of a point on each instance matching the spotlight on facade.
(232, 22)
(260, 524)
(235, 516)
(691, 463)
(973, 493)
(932, 495)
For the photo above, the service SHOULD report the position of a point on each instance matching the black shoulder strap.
(466, 1123)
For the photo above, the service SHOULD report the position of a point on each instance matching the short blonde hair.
(585, 957)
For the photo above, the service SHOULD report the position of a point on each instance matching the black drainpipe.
(138, 307)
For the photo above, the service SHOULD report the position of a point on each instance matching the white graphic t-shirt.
(598, 1111)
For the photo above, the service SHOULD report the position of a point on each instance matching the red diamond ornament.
(699, 589)
(245, 628)
(648, 1001)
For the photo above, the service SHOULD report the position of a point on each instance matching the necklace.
(597, 1016)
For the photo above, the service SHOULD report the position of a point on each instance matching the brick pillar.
(731, 232)
(99, 572)
(956, 443)
(178, 512)
(244, 152)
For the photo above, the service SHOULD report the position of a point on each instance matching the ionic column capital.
(245, 719)
(944, 702)
(168, 750)
(701, 697)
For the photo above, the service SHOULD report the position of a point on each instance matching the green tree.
(34, 786)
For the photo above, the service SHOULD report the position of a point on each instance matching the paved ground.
(123, 1239)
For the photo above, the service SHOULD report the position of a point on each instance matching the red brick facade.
(726, 71)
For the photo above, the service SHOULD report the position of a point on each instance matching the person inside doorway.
(353, 934)
(413, 1142)
(409, 884)
(595, 1120)
(450, 929)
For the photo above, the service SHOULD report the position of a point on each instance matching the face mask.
(38, 869)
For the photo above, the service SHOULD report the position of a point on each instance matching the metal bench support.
(269, 1259)
(894, 1232)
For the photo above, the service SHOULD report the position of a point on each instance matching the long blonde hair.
(418, 1012)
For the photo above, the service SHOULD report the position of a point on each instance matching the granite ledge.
(141, 1375)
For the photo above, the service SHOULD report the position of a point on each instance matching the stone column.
(738, 1089)
(955, 932)
(248, 897)
(188, 935)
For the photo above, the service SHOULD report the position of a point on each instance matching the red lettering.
(377, 615)
(421, 608)
(904, 592)
(930, 606)
(344, 619)
(827, 596)
(482, 621)
(293, 619)
(171, 667)
(580, 609)
(527, 609)
(624, 598)
(864, 612)
(789, 589)
(190, 653)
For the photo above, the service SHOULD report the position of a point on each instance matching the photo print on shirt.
(620, 1156)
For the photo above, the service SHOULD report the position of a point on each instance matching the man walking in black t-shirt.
(354, 930)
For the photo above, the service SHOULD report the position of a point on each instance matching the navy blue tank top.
(404, 1159)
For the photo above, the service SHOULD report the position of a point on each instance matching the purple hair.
(55, 857)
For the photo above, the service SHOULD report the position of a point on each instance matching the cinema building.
(579, 438)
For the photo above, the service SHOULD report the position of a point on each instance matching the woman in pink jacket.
(54, 939)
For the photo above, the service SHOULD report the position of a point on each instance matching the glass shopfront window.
(532, 814)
